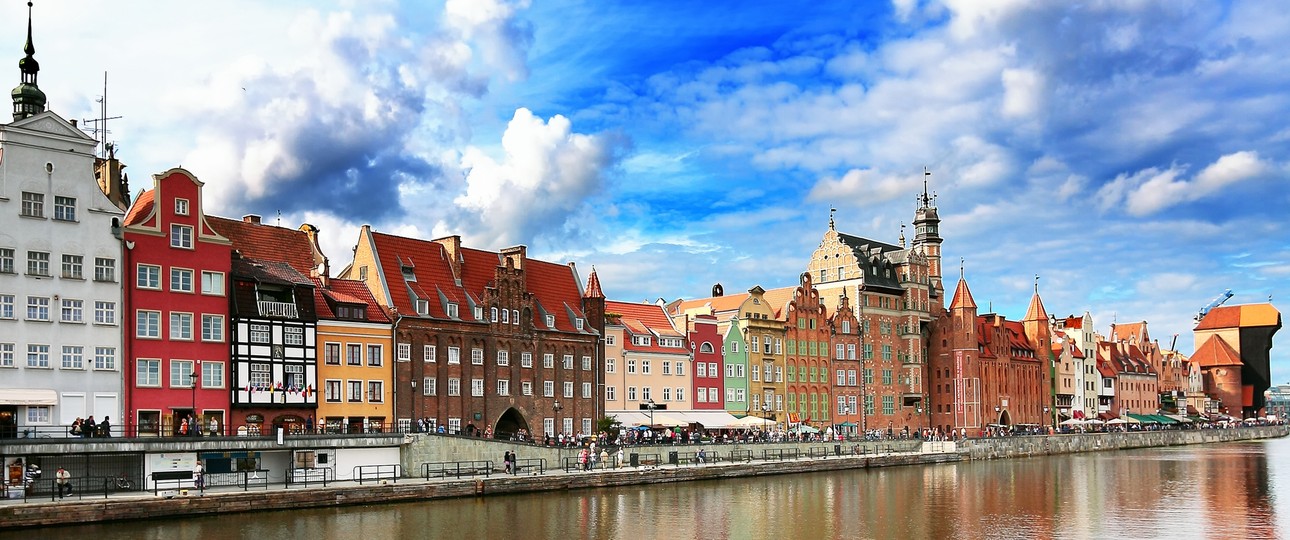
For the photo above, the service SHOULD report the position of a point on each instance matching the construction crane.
(1213, 304)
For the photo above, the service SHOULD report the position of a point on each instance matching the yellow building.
(355, 359)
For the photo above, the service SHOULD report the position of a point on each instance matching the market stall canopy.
(751, 421)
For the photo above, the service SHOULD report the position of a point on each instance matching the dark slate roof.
(886, 256)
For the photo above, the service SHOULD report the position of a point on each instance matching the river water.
(1233, 490)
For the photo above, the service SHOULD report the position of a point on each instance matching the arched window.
(705, 347)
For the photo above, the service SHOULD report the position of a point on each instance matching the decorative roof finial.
(28, 100)
(831, 211)
(1036, 283)
(902, 234)
(960, 267)
(924, 199)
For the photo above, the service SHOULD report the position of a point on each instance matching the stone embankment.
(133, 506)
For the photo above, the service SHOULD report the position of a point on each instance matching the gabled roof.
(266, 271)
(1216, 352)
(346, 291)
(269, 242)
(866, 251)
(555, 287)
(1126, 331)
(1241, 316)
(645, 319)
(141, 208)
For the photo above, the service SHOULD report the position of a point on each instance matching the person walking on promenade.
(199, 476)
(64, 481)
(88, 427)
(214, 427)
(506, 458)
(105, 427)
(183, 427)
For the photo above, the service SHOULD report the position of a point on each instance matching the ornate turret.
(927, 234)
(28, 100)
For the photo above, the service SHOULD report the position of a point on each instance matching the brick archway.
(510, 423)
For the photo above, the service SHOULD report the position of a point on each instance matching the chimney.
(73, 121)
(251, 218)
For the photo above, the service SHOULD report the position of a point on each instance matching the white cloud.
(546, 173)
(862, 187)
(1151, 190)
(1022, 92)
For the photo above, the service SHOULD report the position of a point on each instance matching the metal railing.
(530, 463)
(258, 478)
(286, 310)
(168, 480)
(444, 469)
(310, 475)
(377, 472)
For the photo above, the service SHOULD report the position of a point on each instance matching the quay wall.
(1042, 445)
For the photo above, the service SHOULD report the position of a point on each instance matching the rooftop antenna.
(99, 125)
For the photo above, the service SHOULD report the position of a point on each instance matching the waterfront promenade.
(809, 457)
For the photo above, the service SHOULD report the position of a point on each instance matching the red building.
(709, 368)
(844, 332)
(807, 356)
(177, 310)
(501, 343)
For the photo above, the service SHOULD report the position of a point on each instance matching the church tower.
(927, 236)
(28, 99)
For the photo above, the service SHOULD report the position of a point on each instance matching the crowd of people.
(89, 428)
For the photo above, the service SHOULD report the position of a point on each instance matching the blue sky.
(1132, 154)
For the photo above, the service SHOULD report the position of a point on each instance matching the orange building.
(1233, 353)
(355, 365)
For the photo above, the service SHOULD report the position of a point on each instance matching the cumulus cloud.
(1151, 190)
(546, 173)
(862, 187)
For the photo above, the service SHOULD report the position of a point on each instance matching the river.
(1233, 490)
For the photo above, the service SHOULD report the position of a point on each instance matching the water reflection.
(1212, 491)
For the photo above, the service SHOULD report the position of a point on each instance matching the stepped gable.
(1215, 352)
(268, 242)
(346, 291)
(1130, 332)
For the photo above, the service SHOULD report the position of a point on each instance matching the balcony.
(282, 310)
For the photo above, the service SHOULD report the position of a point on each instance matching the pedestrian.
(214, 427)
(620, 456)
(506, 459)
(309, 424)
(88, 427)
(183, 427)
(64, 481)
(76, 427)
(105, 427)
(199, 476)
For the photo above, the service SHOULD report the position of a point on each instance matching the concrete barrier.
(1043, 445)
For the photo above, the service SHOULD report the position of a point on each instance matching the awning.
(28, 396)
(715, 419)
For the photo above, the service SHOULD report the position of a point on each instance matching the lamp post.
(555, 408)
(651, 406)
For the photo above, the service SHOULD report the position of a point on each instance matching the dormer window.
(408, 273)
(479, 313)
(577, 323)
(423, 307)
(351, 311)
(452, 310)
(550, 321)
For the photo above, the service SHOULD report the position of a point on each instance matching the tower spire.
(28, 100)
(831, 211)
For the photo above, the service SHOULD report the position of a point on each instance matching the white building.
(60, 290)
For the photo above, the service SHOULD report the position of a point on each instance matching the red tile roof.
(141, 209)
(1216, 352)
(593, 286)
(1036, 310)
(346, 291)
(268, 242)
(962, 296)
(645, 319)
(1074, 322)
(1125, 331)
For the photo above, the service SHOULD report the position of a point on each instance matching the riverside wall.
(135, 506)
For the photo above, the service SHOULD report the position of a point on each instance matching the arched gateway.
(510, 423)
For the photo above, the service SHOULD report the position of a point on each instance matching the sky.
(1132, 154)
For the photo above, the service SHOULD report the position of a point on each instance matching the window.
(38, 356)
(376, 391)
(355, 391)
(104, 269)
(38, 263)
(680, 393)
(293, 335)
(261, 375)
(33, 204)
(212, 327)
(568, 389)
(609, 365)
(503, 358)
(506, 316)
(568, 361)
(429, 353)
(645, 394)
(73, 267)
(577, 323)
(331, 353)
(148, 324)
(631, 365)
(212, 374)
(181, 207)
(680, 368)
(493, 314)
(73, 357)
(104, 312)
(149, 277)
(477, 357)
(477, 387)
(73, 311)
(503, 387)
(181, 326)
(886, 377)
(64, 208)
(37, 415)
(610, 340)
(454, 386)
(404, 352)
(353, 354)
(645, 367)
(586, 363)
(331, 391)
(842, 377)
(586, 389)
(181, 236)
(375, 354)
(548, 389)
(568, 425)
(888, 405)
(181, 373)
(701, 370)
(181, 280)
(147, 372)
(213, 283)
(452, 310)
(631, 393)
(104, 358)
(526, 388)
(429, 386)
(260, 333)
(454, 355)
(610, 393)
(667, 368)
(6, 260)
(6, 355)
(526, 359)
(550, 321)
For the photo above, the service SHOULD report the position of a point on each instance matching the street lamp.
(651, 406)
(555, 408)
